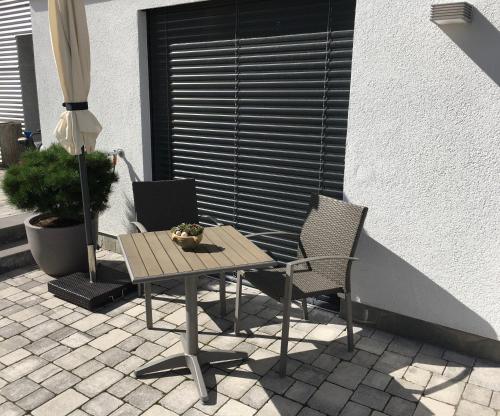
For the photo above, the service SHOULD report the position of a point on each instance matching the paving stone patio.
(57, 359)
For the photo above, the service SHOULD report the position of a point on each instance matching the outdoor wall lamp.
(443, 14)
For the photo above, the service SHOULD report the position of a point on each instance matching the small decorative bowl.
(187, 242)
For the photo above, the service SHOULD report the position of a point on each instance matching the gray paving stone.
(400, 407)
(444, 389)
(329, 399)
(145, 396)
(477, 394)
(300, 392)
(466, 408)
(279, 406)
(62, 333)
(161, 411)
(98, 382)
(77, 357)
(89, 368)
(131, 343)
(430, 363)
(486, 374)
(10, 409)
(235, 386)
(110, 339)
(355, 409)
(18, 389)
(418, 375)
(377, 380)
(76, 339)
(393, 364)
(370, 397)
(372, 345)
(40, 346)
(44, 329)
(55, 353)
(307, 411)
(495, 400)
(148, 350)
(257, 396)
(44, 373)
(463, 359)
(232, 408)
(311, 375)
(12, 329)
(457, 371)
(405, 389)
(347, 375)
(35, 399)
(113, 356)
(61, 405)
(22, 368)
(61, 381)
(365, 359)
(404, 346)
(127, 410)
(326, 362)
(431, 407)
(125, 386)
(14, 356)
(102, 405)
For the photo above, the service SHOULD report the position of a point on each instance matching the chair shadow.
(267, 367)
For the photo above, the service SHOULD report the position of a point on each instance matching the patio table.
(153, 257)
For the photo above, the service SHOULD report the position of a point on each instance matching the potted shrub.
(47, 182)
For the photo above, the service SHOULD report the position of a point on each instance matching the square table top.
(153, 256)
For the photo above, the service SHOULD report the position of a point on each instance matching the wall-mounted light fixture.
(443, 14)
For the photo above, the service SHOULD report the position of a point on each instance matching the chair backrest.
(332, 227)
(161, 205)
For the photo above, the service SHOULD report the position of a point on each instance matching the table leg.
(149, 307)
(192, 358)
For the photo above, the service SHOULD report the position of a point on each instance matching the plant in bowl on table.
(187, 235)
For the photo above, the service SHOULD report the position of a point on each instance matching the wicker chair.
(327, 244)
(161, 205)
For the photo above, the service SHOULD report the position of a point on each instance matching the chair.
(326, 247)
(161, 205)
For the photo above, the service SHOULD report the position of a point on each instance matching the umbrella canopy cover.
(70, 43)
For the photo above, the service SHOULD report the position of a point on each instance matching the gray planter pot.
(58, 251)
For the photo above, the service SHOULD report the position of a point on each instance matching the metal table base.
(192, 358)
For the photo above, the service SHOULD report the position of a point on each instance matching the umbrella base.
(76, 288)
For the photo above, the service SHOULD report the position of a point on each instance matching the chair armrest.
(291, 265)
(213, 219)
(139, 226)
(270, 233)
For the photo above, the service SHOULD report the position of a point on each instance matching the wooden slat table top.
(153, 256)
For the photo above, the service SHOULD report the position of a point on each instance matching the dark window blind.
(251, 99)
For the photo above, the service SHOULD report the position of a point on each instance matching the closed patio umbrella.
(77, 129)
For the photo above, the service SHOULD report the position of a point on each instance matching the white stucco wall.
(423, 153)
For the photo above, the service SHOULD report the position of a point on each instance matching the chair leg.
(237, 304)
(350, 332)
(304, 309)
(222, 293)
(149, 307)
(140, 290)
(287, 304)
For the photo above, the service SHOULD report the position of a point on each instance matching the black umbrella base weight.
(76, 288)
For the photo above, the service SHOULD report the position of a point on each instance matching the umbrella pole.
(87, 216)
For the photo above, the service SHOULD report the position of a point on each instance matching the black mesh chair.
(327, 244)
(161, 205)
